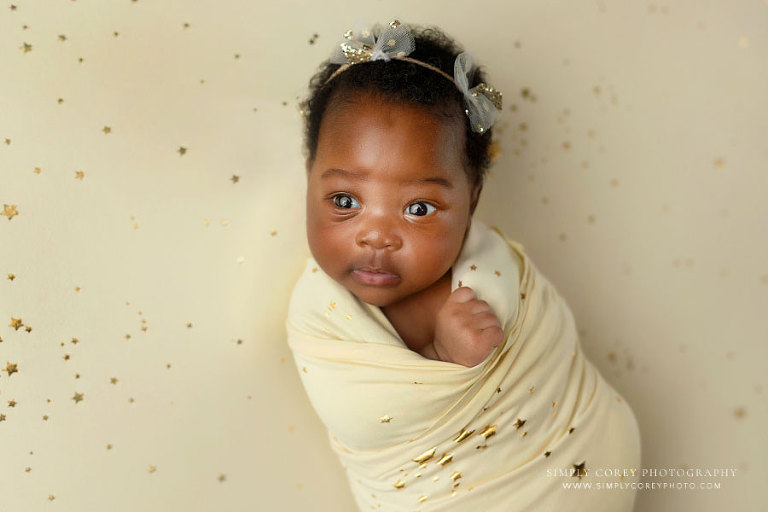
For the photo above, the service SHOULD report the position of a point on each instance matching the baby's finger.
(461, 295)
(486, 320)
(493, 336)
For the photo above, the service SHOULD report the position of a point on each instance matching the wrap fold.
(516, 432)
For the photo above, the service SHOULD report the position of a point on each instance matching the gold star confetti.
(740, 412)
(580, 471)
(222, 477)
(189, 325)
(422, 499)
(547, 453)
(27, 469)
(488, 431)
(79, 397)
(13, 7)
(51, 497)
(152, 469)
(519, 423)
(107, 130)
(109, 446)
(62, 37)
(399, 484)
(45, 417)
(182, 150)
(115, 33)
(12, 403)
(447, 458)
(424, 457)
(385, 419)
(2, 417)
(26, 47)
(66, 357)
(273, 232)
(533, 388)
(186, 25)
(473, 267)
(11, 368)
(497, 273)
(719, 163)
(464, 434)
(9, 210)
(570, 430)
(79, 175)
(235, 178)
(11, 276)
(113, 380)
(7, 141)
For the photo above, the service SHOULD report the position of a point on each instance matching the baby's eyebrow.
(436, 179)
(346, 174)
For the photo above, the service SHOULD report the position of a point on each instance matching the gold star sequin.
(11, 276)
(107, 130)
(12, 403)
(740, 412)
(399, 484)
(51, 497)
(28, 328)
(473, 267)
(16, 323)
(498, 274)
(464, 434)
(547, 453)
(385, 419)
(447, 458)
(424, 457)
(78, 397)
(11, 368)
(152, 469)
(488, 431)
(66, 357)
(182, 150)
(26, 47)
(13, 7)
(62, 37)
(580, 469)
(45, 417)
(9, 210)
(222, 477)
(273, 232)
(519, 423)
(533, 388)
(189, 325)
(570, 430)
(235, 178)
(7, 141)
(422, 499)
(79, 175)
(27, 469)
(186, 25)
(2, 417)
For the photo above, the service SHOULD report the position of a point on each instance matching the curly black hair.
(403, 82)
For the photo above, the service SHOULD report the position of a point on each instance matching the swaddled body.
(509, 434)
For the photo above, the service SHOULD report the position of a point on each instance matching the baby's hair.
(403, 82)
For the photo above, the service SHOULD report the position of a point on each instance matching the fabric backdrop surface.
(152, 225)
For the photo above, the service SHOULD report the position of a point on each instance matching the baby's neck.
(414, 317)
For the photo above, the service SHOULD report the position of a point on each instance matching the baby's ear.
(475, 198)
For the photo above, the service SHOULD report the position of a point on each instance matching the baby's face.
(388, 201)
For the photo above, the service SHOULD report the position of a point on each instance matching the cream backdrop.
(151, 177)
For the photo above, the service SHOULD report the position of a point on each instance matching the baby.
(398, 130)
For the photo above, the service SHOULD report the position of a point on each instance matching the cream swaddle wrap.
(418, 434)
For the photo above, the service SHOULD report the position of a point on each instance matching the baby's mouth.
(375, 276)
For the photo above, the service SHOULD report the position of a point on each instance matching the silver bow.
(483, 102)
(395, 40)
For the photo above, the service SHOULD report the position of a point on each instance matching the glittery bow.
(483, 102)
(395, 40)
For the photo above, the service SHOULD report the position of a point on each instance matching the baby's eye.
(345, 201)
(419, 208)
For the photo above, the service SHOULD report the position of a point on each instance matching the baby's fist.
(467, 329)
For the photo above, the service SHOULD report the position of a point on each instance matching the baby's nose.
(379, 236)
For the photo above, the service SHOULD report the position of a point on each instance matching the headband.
(395, 41)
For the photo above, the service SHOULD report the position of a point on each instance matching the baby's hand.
(467, 329)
